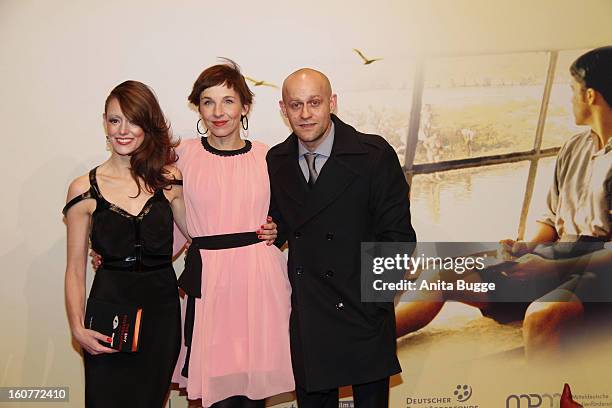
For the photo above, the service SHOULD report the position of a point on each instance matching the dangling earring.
(108, 145)
(244, 121)
(198, 128)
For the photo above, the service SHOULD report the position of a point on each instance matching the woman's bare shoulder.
(78, 186)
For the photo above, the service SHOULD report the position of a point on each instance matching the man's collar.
(595, 140)
(608, 147)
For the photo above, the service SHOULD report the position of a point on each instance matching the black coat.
(361, 195)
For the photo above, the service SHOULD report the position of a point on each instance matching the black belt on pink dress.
(191, 278)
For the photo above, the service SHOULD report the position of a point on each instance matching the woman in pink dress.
(236, 323)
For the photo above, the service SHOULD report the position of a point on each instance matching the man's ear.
(333, 103)
(591, 96)
(281, 104)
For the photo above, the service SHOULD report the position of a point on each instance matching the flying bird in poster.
(366, 61)
(260, 83)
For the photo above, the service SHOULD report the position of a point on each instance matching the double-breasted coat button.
(329, 236)
(339, 305)
(299, 270)
(297, 234)
(329, 273)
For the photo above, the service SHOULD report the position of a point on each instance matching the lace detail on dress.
(95, 191)
(210, 149)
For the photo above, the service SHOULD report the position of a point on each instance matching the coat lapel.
(336, 175)
(288, 174)
(292, 180)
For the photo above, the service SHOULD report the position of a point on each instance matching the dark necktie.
(310, 160)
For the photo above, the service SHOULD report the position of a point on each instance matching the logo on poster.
(532, 400)
(552, 400)
(463, 392)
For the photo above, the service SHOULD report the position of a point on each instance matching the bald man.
(333, 188)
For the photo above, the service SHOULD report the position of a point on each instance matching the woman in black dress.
(126, 206)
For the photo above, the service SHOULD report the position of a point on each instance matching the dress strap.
(95, 190)
(77, 199)
(92, 193)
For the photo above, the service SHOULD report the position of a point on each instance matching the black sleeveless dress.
(137, 269)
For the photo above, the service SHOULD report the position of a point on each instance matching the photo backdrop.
(59, 59)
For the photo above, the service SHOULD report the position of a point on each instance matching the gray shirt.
(578, 202)
(323, 151)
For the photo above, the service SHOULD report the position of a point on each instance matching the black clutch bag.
(120, 322)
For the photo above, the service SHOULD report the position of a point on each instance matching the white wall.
(59, 60)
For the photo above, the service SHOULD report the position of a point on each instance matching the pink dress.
(240, 343)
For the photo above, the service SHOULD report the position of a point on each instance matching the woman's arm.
(177, 202)
(78, 220)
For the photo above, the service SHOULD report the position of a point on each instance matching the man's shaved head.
(307, 104)
(307, 75)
